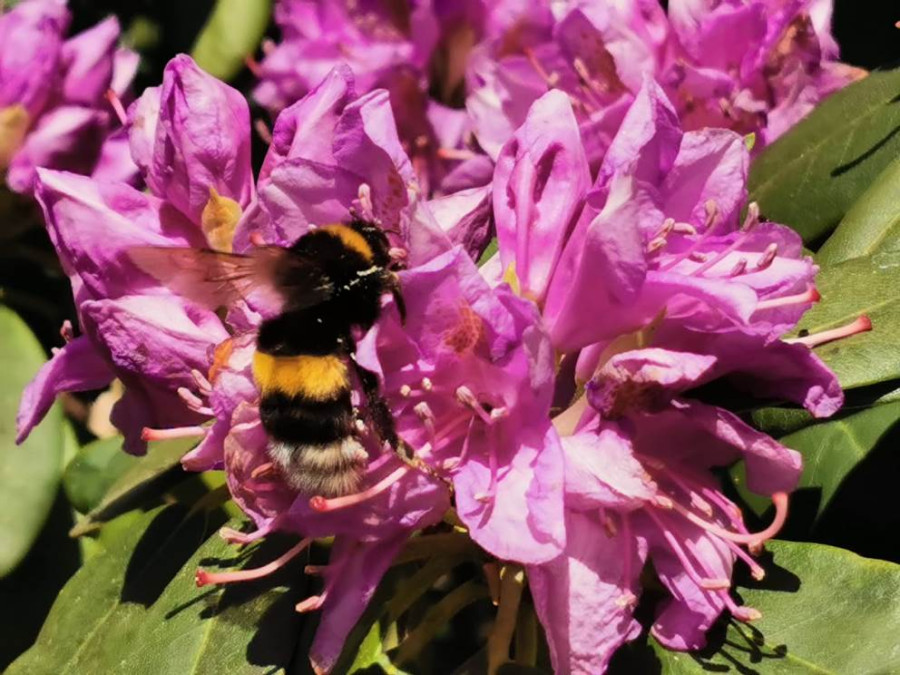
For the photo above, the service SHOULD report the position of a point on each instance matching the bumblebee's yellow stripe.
(317, 378)
(351, 238)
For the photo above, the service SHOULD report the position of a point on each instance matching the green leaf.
(811, 176)
(135, 482)
(489, 251)
(30, 473)
(860, 286)
(824, 610)
(94, 470)
(134, 608)
(830, 451)
(232, 33)
(872, 224)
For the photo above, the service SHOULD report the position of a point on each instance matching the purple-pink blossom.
(56, 93)
(753, 67)
(656, 279)
(468, 375)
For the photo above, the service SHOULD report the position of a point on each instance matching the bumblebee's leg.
(392, 285)
(383, 422)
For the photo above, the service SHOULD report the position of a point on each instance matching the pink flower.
(753, 67)
(468, 375)
(415, 51)
(651, 284)
(54, 110)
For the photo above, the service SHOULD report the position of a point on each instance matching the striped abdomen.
(306, 410)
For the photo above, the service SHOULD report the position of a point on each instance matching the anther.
(712, 212)
(699, 257)
(667, 226)
(684, 228)
(263, 470)
(311, 604)
(66, 331)
(767, 257)
(256, 239)
(739, 268)
(455, 154)
(656, 244)
(752, 218)
(203, 384)
(148, 434)
(746, 614)
(194, 402)
(427, 384)
(405, 391)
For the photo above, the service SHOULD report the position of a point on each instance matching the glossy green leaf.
(860, 286)
(824, 610)
(811, 176)
(94, 470)
(134, 608)
(161, 460)
(30, 473)
(872, 224)
(232, 33)
(831, 450)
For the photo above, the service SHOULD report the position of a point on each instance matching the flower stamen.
(148, 434)
(807, 296)
(861, 324)
(325, 505)
(203, 577)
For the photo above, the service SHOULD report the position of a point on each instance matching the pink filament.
(861, 325)
(148, 434)
(452, 153)
(323, 505)
(232, 536)
(117, 106)
(263, 132)
(809, 295)
(203, 577)
(311, 603)
(678, 550)
(779, 499)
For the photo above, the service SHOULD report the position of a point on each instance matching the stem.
(437, 617)
(512, 581)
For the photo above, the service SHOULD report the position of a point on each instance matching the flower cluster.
(754, 67)
(549, 395)
(56, 94)
(651, 284)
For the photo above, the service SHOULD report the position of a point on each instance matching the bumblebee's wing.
(214, 279)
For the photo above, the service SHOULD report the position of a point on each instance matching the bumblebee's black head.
(376, 239)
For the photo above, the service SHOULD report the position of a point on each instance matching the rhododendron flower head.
(54, 106)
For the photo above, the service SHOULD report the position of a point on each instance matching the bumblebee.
(328, 283)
